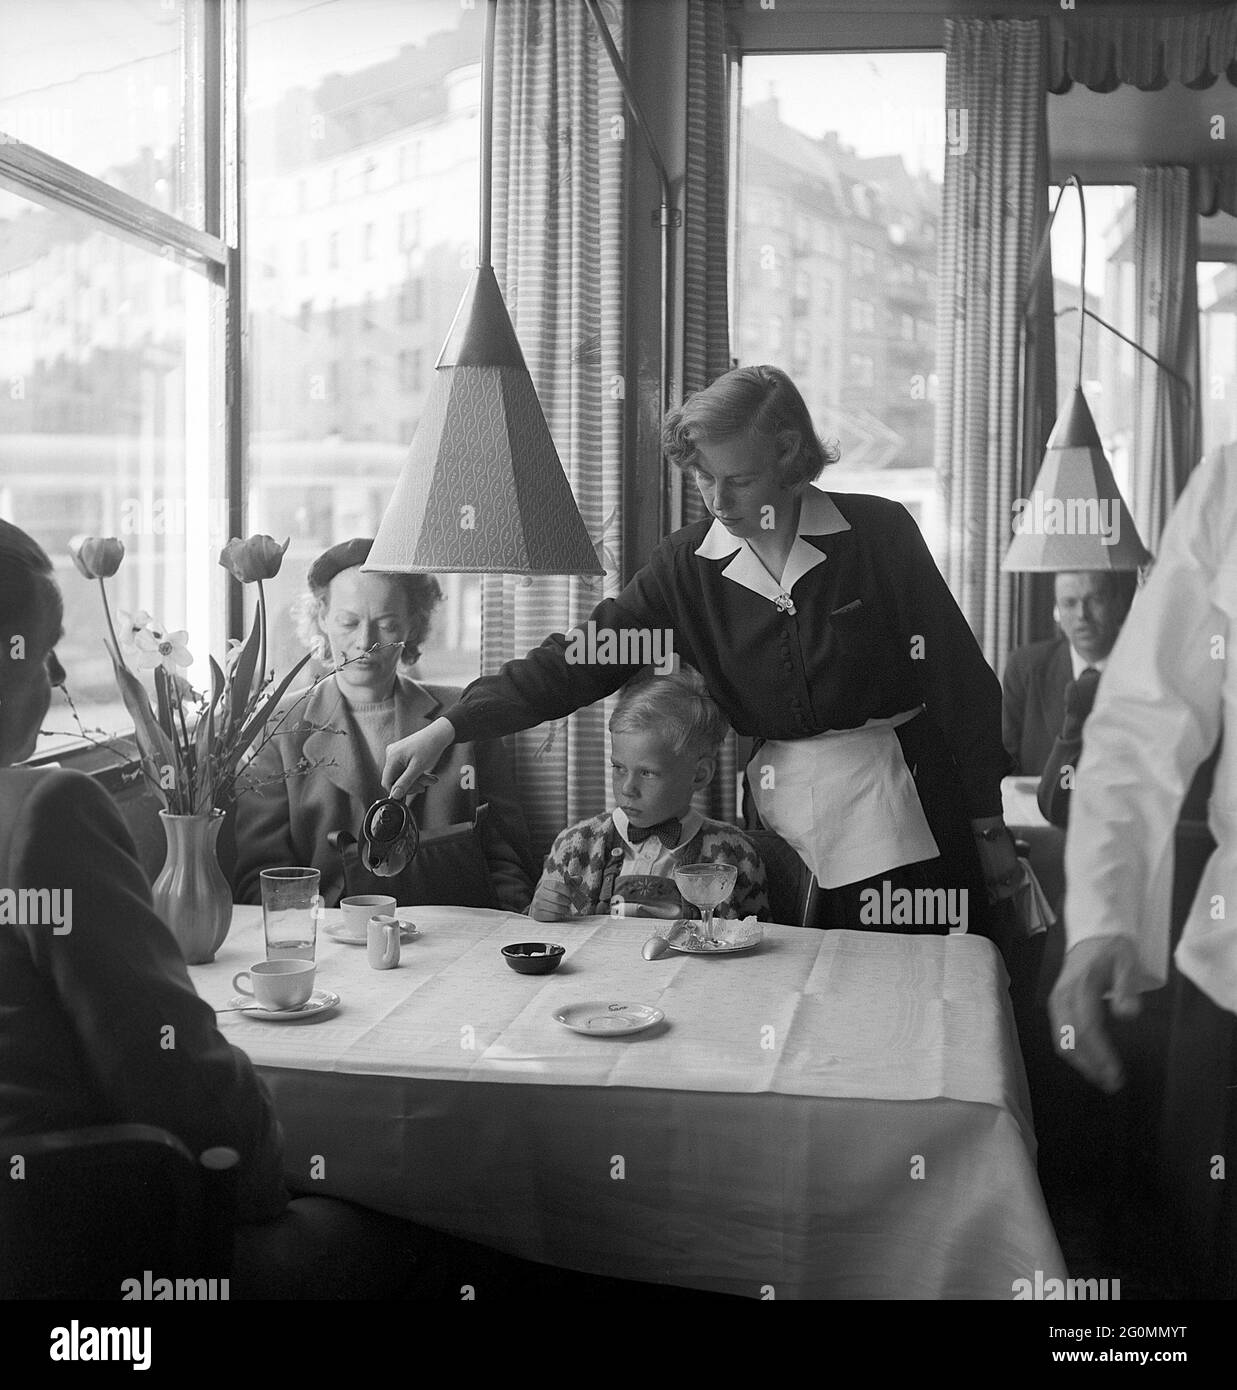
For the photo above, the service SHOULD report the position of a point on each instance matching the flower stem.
(107, 613)
(262, 639)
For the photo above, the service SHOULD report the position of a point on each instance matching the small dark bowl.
(520, 957)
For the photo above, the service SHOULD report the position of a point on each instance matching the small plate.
(321, 1001)
(599, 1016)
(338, 931)
(743, 937)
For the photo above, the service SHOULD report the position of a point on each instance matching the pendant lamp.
(482, 490)
(1075, 517)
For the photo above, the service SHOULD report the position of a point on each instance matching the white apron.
(844, 800)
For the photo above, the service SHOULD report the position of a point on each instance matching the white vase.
(191, 894)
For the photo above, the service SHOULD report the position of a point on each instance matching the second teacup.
(277, 984)
(360, 908)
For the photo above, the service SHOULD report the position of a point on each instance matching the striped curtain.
(559, 123)
(706, 331)
(994, 205)
(1167, 441)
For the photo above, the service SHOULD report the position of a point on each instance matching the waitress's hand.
(998, 858)
(409, 764)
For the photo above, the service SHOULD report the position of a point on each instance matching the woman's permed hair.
(761, 402)
(677, 707)
(422, 590)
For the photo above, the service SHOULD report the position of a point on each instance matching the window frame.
(213, 57)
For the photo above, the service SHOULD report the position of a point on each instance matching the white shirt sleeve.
(1156, 717)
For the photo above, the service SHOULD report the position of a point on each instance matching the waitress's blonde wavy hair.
(761, 402)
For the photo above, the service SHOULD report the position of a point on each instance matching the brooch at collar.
(785, 604)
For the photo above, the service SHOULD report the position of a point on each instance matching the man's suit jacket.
(287, 820)
(1033, 702)
(100, 1024)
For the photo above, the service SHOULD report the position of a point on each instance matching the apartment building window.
(859, 139)
(862, 370)
(412, 301)
(409, 229)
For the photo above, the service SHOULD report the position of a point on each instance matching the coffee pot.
(389, 838)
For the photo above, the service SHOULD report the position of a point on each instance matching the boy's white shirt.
(651, 856)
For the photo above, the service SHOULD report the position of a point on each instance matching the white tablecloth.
(836, 1114)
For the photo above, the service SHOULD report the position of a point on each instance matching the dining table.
(826, 1115)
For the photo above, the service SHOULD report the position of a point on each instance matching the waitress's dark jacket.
(876, 632)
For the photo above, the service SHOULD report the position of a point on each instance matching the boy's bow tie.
(668, 831)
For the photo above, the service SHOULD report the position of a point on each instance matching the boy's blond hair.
(677, 707)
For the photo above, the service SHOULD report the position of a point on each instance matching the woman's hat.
(344, 556)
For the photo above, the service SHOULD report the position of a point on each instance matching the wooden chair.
(95, 1207)
(450, 867)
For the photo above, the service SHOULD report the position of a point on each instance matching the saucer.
(743, 936)
(320, 1002)
(598, 1016)
(338, 931)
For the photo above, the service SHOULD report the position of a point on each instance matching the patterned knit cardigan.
(586, 859)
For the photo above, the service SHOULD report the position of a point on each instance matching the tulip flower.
(97, 557)
(257, 558)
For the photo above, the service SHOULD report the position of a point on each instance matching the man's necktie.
(668, 831)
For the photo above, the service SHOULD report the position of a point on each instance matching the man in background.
(1046, 682)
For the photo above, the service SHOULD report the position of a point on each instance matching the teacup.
(359, 909)
(277, 984)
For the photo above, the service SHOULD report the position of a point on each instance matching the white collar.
(818, 516)
(1080, 663)
(692, 822)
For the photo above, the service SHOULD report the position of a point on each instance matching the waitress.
(824, 631)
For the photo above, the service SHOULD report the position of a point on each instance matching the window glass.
(110, 426)
(839, 199)
(115, 90)
(362, 130)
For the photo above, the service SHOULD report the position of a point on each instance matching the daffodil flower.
(130, 624)
(167, 650)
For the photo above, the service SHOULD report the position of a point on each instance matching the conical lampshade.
(482, 491)
(1075, 517)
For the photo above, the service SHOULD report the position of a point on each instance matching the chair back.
(794, 898)
(83, 1211)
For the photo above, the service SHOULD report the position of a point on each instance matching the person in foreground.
(84, 1012)
(1157, 716)
(823, 629)
(373, 623)
(665, 734)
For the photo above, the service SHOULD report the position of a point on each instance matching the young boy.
(665, 735)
